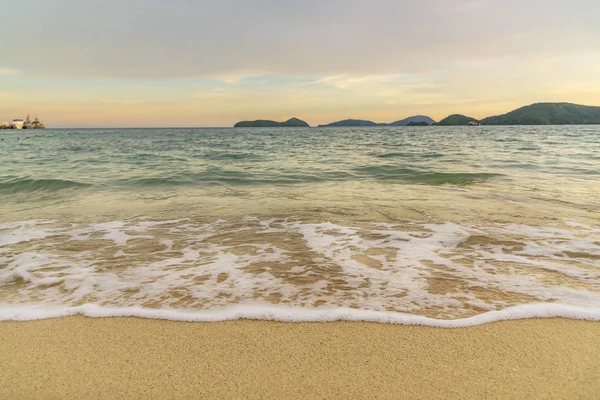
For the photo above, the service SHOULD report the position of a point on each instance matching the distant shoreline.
(535, 114)
(22, 131)
(538, 114)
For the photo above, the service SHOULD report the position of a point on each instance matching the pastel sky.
(121, 63)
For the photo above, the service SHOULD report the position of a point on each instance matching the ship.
(20, 123)
(27, 123)
(17, 123)
(35, 124)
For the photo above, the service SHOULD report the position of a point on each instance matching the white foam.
(376, 267)
(23, 231)
(284, 314)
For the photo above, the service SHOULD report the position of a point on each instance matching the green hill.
(350, 122)
(263, 123)
(422, 123)
(456, 119)
(548, 114)
(417, 120)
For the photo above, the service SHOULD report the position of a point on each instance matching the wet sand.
(125, 358)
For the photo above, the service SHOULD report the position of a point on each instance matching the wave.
(225, 156)
(215, 176)
(529, 148)
(385, 172)
(396, 155)
(440, 178)
(392, 172)
(154, 182)
(410, 155)
(442, 271)
(17, 185)
(286, 314)
(218, 176)
(223, 177)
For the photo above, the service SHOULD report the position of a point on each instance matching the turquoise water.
(438, 222)
(113, 159)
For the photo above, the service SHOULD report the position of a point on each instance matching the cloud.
(124, 102)
(232, 39)
(5, 71)
(345, 81)
(206, 62)
(218, 94)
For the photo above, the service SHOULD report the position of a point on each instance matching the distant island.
(456, 119)
(422, 123)
(548, 114)
(534, 114)
(417, 120)
(262, 123)
(350, 122)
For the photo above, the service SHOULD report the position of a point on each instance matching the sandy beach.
(118, 358)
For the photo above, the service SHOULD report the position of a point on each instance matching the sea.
(440, 226)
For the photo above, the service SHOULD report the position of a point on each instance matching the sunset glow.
(156, 63)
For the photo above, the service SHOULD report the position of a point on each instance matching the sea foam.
(442, 271)
(284, 314)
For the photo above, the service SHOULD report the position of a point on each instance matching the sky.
(159, 63)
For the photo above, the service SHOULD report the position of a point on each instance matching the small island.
(417, 120)
(534, 114)
(263, 123)
(457, 119)
(548, 114)
(350, 123)
(422, 123)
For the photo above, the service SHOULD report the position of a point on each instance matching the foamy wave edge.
(283, 314)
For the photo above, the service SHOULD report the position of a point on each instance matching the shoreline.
(127, 357)
(272, 313)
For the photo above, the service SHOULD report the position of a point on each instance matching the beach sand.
(118, 358)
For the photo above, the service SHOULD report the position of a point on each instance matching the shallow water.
(445, 223)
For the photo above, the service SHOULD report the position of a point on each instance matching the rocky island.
(456, 119)
(534, 114)
(417, 120)
(263, 123)
(422, 123)
(548, 114)
(349, 123)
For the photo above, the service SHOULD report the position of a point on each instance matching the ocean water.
(436, 226)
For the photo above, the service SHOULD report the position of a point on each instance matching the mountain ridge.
(548, 114)
(417, 119)
(543, 113)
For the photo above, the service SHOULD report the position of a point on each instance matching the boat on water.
(35, 124)
(20, 123)
(474, 123)
(17, 123)
(27, 123)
